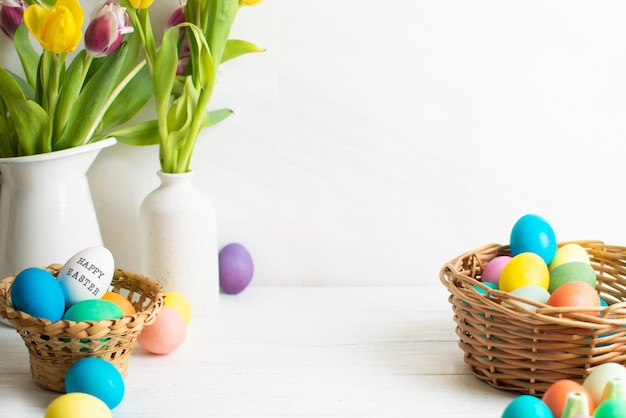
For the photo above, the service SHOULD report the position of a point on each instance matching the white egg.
(87, 275)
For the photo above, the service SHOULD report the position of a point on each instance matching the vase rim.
(103, 143)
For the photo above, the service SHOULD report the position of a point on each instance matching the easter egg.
(522, 270)
(572, 271)
(178, 302)
(532, 233)
(96, 377)
(37, 292)
(77, 405)
(93, 310)
(531, 292)
(575, 294)
(556, 396)
(124, 304)
(491, 272)
(236, 268)
(86, 275)
(569, 253)
(597, 379)
(527, 406)
(611, 408)
(165, 334)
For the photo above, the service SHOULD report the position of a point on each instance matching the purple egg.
(236, 268)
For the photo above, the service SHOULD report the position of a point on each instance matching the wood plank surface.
(294, 352)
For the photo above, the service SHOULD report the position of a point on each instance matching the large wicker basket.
(55, 346)
(521, 350)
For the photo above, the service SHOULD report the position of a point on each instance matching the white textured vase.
(178, 237)
(46, 208)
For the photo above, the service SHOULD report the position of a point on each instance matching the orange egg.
(120, 301)
(556, 395)
(575, 294)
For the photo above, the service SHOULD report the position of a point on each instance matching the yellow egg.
(571, 252)
(77, 405)
(523, 270)
(178, 302)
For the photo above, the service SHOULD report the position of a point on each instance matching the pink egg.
(165, 334)
(491, 272)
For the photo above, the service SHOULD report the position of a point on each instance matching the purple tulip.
(177, 17)
(11, 16)
(109, 23)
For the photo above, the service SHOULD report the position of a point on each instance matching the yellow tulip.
(57, 29)
(249, 2)
(140, 4)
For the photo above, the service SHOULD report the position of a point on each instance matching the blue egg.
(38, 293)
(527, 406)
(96, 377)
(532, 233)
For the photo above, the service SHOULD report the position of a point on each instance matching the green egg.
(572, 271)
(93, 310)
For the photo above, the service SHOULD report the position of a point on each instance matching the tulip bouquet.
(56, 105)
(184, 66)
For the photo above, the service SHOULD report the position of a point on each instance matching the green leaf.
(202, 65)
(8, 140)
(165, 75)
(70, 90)
(26, 88)
(28, 56)
(88, 110)
(140, 134)
(130, 101)
(32, 123)
(216, 116)
(236, 47)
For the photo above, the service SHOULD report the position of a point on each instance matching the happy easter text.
(80, 278)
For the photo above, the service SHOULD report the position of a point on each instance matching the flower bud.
(177, 17)
(109, 23)
(58, 28)
(140, 4)
(11, 16)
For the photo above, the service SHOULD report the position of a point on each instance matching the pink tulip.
(109, 23)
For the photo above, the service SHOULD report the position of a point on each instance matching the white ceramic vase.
(178, 239)
(47, 212)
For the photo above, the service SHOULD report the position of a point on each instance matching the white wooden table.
(294, 352)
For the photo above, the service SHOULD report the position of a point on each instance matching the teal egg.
(96, 377)
(527, 406)
(38, 293)
(532, 233)
(572, 271)
(93, 310)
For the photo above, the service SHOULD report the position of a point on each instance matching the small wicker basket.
(521, 350)
(55, 346)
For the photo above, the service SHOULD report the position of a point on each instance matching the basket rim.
(7, 308)
(452, 277)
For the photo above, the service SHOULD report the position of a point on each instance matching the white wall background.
(376, 140)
